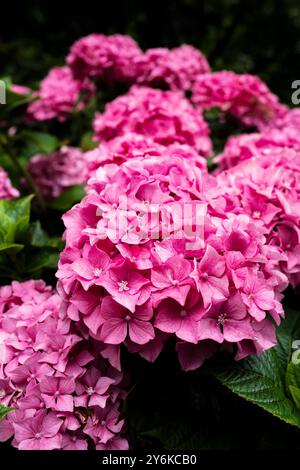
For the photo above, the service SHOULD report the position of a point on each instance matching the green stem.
(26, 174)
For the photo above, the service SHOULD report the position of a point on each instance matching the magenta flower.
(258, 296)
(126, 285)
(40, 432)
(91, 389)
(104, 425)
(110, 58)
(59, 171)
(120, 322)
(57, 393)
(171, 279)
(178, 68)
(227, 321)
(210, 278)
(244, 96)
(183, 321)
(59, 95)
(165, 116)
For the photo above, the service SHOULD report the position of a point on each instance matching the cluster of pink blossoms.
(153, 251)
(58, 171)
(177, 68)
(159, 249)
(70, 166)
(245, 146)
(65, 394)
(267, 188)
(165, 116)
(244, 96)
(7, 191)
(110, 58)
(59, 94)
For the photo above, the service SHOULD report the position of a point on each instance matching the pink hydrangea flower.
(58, 171)
(59, 94)
(159, 280)
(177, 68)
(7, 191)
(165, 116)
(53, 376)
(244, 96)
(266, 187)
(39, 432)
(111, 58)
(244, 146)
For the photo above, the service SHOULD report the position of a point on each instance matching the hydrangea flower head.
(110, 58)
(58, 383)
(165, 116)
(176, 262)
(59, 95)
(244, 96)
(58, 171)
(177, 68)
(266, 188)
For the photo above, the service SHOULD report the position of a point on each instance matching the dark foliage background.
(261, 37)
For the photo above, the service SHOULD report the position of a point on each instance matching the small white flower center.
(90, 391)
(256, 214)
(2, 392)
(38, 435)
(123, 286)
(222, 318)
(98, 271)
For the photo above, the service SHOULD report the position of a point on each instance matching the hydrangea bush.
(169, 246)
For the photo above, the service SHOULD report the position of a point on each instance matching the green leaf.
(14, 218)
(262, 379)
(4, 410)
(295, 394)
(44, 143)
(42, 259)
(39, 238)
(87, 142)
(10, 247)
(68, 198)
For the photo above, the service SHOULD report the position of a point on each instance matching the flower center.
(204, 276)
(37, 435)
(98, 271)
(56, 394)
(222, 318)
(2, 392)
(123, 286)
(90, 391)
(183, 313)
(128, 317)
(256, 214)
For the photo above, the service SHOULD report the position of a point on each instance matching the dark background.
(261, 37)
